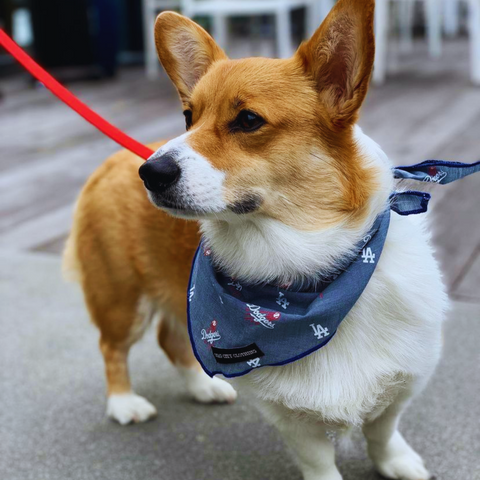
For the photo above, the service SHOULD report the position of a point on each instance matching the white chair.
(433, 17)
(433, 20)
(221, 10)
(406, 10)
(451, 25)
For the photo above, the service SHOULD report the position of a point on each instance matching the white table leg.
(152, 65)
(220, 30)
(283, 33)
(381, 38)
(433, 15)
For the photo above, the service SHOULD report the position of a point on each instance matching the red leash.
(71, 100)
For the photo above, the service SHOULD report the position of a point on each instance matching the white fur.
(129, 407)
(388, 344)
(260, 249)
(205, 389)
(392, 333)
(389, 451)
(200, 186)
(396, 459)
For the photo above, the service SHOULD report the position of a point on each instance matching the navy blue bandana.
(235, 328)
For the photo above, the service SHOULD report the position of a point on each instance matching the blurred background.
(424, 103)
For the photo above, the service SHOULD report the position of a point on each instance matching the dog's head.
(264, 136)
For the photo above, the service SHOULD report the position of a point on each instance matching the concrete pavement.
(52, 423)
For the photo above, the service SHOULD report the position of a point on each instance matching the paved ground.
(52, 402)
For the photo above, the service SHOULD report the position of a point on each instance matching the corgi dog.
(282, 184)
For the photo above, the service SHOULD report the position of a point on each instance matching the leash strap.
(71, 100)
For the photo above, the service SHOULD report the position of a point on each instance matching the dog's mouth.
(177, 208)
(185, 208)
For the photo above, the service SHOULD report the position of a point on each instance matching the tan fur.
(124, 250)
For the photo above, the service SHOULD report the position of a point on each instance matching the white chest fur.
(392, 333)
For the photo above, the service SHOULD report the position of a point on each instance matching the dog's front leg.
(392, 455)
(314, 452)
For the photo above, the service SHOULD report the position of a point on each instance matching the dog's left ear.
(339, 58)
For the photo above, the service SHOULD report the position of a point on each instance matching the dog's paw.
(404, 467)
(213, 390)
(399, 461)
(208, 390)
(129, 408)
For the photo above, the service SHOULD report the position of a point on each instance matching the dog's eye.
(188, 118)
(247, 121)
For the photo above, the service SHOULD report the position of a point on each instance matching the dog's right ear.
(186, 51)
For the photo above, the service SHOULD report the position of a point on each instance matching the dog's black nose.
(160, 173)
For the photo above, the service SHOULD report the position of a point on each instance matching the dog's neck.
(264, 250)
(259, 249)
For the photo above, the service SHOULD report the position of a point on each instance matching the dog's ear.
(185, 49)
(339, 58)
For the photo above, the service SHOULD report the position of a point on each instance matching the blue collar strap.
(235, 328)
(409, 202)
(436, 171)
